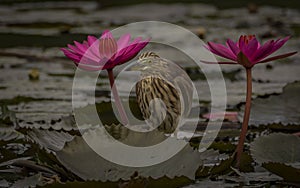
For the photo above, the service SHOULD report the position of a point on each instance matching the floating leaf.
(8, 122)
(282, 109)
(81, 5)
(32, 181)
(90, 166)
(134, 182)
(288, 173)
(247, 178)
(212, 157)
(223, 147)
(7, 117)
(221, 168)
(277, 147)
(10, 162)
(80, 184)
(246, 163)
(50, 140)
(236, 90)
(4, 183)
(45, 121)
(212, 184)
(288, 72)
(17, 148)
(33, 166)
(10, 135)
(24, 162)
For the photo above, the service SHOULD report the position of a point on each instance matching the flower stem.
(116, 96)
(243, 133)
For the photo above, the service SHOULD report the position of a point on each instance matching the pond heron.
(163, 80)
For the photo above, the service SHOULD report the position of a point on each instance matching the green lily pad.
(10, 135)
(4, 183)
(288, 72)
(49, 140)
(277, 109)
(223, 147)
(8, 122)
(7, 118)
(247, 178)
(135, 182)
(88, 165)
(223, 167)
(53, 122)
(212, 184)
(287, 172)
(236, 91)
(31, 181)
(10, 162)
(277, 147)
(80, 184)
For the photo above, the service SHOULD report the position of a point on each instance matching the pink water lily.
(104, 54)
(247, 51)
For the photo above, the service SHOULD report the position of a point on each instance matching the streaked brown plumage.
(164, 80)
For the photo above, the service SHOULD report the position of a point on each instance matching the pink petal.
(129, 54)
(106, 34)
(221, 50)
(136, 50)
(263, 51)
(71, 55)
(137, 40)
(123, 41)
(241, 42)
(80, 47)
(75, 49)
(219, 62)
(91, 40)
(90, 58)
(277, 57)
(110, 64)
(125, 56)
(233, 47)
(129, 47)
(85, 44)
(87, 53)
(250, 48)
(279, 43)
(94, 49)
